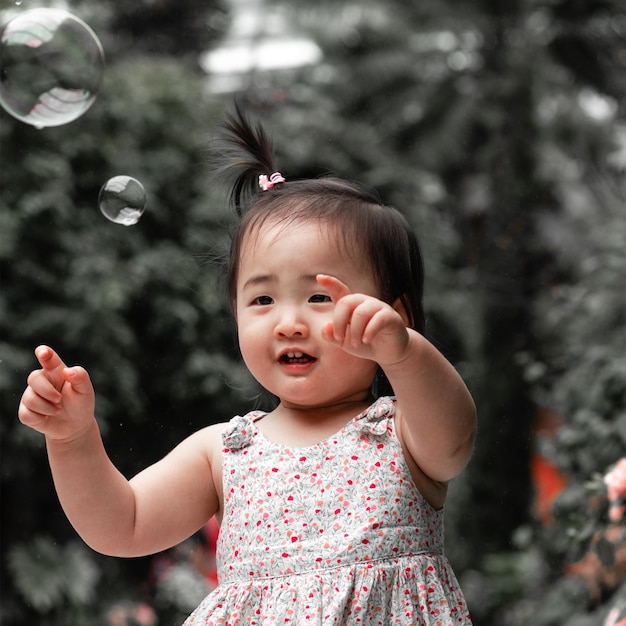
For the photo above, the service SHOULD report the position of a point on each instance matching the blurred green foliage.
(499, 129)
(49, 576)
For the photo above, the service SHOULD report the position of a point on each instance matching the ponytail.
(249, 154)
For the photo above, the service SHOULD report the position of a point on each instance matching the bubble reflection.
(51, 66)
(122, 199)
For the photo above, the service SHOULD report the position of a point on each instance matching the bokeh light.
(122, 199)
(51, 66)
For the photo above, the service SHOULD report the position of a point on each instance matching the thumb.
(52, 365)
(78, 378)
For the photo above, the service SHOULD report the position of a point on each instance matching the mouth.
(295, 357)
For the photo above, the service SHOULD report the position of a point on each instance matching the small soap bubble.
(122, 200)
(51, 66)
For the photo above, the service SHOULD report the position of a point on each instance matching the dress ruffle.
(239, 433)
(376, 420)
(400, 592)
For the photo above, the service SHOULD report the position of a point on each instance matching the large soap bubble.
(122, 200)
(51, 66)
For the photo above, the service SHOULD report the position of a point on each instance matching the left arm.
(435, 416)
(436, 413)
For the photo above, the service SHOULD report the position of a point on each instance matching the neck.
(340, 407)
(304, 426)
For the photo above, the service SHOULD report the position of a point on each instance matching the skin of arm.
(435, 413)
(158, 508)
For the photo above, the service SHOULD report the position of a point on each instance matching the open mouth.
(296, 358)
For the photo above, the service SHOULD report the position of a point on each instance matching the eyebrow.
(261, 279)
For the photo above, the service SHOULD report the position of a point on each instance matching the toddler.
(330, 505)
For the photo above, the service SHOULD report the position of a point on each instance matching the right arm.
(158, 508)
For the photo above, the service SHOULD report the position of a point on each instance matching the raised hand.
(59, 400)
(364, 325)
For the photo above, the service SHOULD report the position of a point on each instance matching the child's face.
(281, 311)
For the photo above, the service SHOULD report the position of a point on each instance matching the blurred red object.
(548, 481)
(211, 532)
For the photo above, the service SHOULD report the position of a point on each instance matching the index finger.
(336, 288)
(52, 365)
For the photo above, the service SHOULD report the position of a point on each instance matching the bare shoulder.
(194, 453)
(207, 441)
(206, 444)
(210, 433)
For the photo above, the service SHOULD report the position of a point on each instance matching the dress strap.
(239, 433)
(377, 418)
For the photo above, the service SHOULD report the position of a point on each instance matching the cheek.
(248, 339)
(252, 354)
(253, 336)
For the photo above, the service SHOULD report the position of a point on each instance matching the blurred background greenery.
(498, 128)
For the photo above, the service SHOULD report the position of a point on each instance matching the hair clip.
(266, 183)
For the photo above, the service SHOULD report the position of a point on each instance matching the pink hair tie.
(266, 183)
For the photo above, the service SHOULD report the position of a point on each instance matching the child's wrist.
(79, 438)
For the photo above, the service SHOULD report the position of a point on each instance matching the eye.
(263, 301)
(320, 298)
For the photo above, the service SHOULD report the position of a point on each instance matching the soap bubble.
(51, 66)
(122, 200)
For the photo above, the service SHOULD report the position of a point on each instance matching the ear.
(400, 309)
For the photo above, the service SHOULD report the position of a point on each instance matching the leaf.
(48, 576)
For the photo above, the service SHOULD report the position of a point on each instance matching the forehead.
(275, 232)
(281, 253)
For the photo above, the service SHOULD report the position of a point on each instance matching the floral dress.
(334, 533)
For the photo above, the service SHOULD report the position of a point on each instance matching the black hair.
(380, 232)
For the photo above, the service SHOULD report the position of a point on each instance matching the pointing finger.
(48, 358)
(336, 288)
(52, 365)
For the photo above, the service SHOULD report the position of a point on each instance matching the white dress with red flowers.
(335, 533)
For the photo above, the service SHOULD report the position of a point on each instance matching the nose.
(290, 323)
